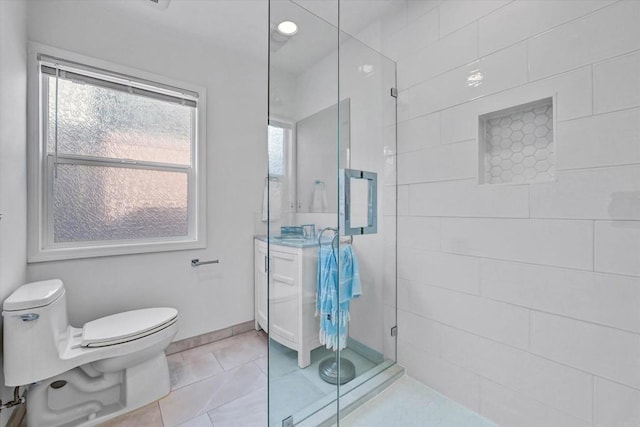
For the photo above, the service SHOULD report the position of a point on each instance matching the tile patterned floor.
(409, 403)
(222, 384)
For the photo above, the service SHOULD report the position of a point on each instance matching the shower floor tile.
(409, 403)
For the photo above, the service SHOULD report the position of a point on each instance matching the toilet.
(83, 376)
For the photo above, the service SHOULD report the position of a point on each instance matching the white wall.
(13, 128)
(521, 301)
(210, 297)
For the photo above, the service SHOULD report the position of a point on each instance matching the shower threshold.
(352, 395)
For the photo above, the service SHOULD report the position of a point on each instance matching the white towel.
(319, 197)
(271, 190)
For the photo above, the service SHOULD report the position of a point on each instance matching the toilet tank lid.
(34, 295)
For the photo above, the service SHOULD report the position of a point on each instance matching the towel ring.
(336, 236)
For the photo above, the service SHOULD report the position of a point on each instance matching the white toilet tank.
(35, 326)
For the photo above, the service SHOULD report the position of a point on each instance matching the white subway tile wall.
(521, 301)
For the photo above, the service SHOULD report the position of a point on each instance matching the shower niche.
(516, 145)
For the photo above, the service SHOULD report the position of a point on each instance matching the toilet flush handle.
(29, 317)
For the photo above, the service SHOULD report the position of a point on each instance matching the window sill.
(119, 249)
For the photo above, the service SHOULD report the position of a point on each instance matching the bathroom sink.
(290, 239)
(295, 241)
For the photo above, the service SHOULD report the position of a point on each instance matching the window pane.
(107, 203)
(276, 151)
(97, 121)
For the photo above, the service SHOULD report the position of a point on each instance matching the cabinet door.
(283, 297)
(261, 269)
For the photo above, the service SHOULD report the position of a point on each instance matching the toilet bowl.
(83, 376)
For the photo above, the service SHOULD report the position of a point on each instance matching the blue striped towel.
(333, 301)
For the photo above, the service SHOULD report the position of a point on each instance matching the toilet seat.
(127, 326)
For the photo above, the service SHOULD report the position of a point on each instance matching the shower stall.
(507, 244)
(332, 122)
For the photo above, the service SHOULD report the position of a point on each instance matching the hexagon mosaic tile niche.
(517, 144)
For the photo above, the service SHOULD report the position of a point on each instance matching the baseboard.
(209, 337)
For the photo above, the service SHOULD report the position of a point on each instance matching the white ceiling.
(241, 25)
(234, 24)
(317, 28)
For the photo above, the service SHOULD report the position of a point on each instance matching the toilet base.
(85, 397)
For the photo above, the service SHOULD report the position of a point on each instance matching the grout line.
(499, 92)
(442, 180)
(512, 261)
(477, 20)
(604, 113)
(531, 311)
(513, 218)
(529, 82)
(436, 146)
(541, 356)
(596, 167)
(160, 412)
(521, 392)
(502, 91)
(527, 39)
(615, 58)
(635, 388)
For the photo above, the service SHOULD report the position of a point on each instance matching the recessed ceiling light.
(287, 28)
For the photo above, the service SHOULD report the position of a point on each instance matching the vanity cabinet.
(285, 287)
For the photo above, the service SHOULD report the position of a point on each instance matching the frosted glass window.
(276, 141)
(102, 122)
(89, 204)
(118, 165)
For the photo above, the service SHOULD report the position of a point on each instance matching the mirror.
(358, 202)
(317, 158)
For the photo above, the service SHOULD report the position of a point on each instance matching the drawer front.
(284, 267)
(283, 298)
(283, 311)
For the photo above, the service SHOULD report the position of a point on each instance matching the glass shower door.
(331, 108)
(301, 185)
(368, 80)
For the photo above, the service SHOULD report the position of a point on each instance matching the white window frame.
(40, 230)
(289, 158)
